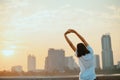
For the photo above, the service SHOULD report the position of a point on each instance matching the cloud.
(26, 17)
(21, 16)
(115, 12)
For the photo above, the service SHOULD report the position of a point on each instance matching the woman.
(85, 55)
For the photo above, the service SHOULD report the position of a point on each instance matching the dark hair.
(81, 50)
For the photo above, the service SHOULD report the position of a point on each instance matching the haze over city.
(32, 27)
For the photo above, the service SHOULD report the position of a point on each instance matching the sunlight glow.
(8, 52)
(13, 46)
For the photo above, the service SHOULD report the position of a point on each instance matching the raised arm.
(79, 36)
(69, 42)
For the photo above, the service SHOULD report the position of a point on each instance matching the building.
(17, 68)
(70, 63)
(118, 65)
(31, 63)
(107, 54)
(97, 62)
(55, 60)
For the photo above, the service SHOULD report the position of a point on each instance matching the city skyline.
(31, 55)
(59, 61)
(32, 27)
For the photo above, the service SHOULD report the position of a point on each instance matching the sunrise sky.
(34, 26)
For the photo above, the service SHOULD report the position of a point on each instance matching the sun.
(8, 52)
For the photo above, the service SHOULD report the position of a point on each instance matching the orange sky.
(32, 27)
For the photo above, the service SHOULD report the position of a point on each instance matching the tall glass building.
(107, 54)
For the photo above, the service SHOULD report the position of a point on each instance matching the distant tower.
(31, 63)
(55, 61)
(97, 62)
(17, 68)
(70, 63)
(107, 54)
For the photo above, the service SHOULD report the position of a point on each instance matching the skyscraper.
(107, 54)
(31, 63)
(70, 63)
(55, 61)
